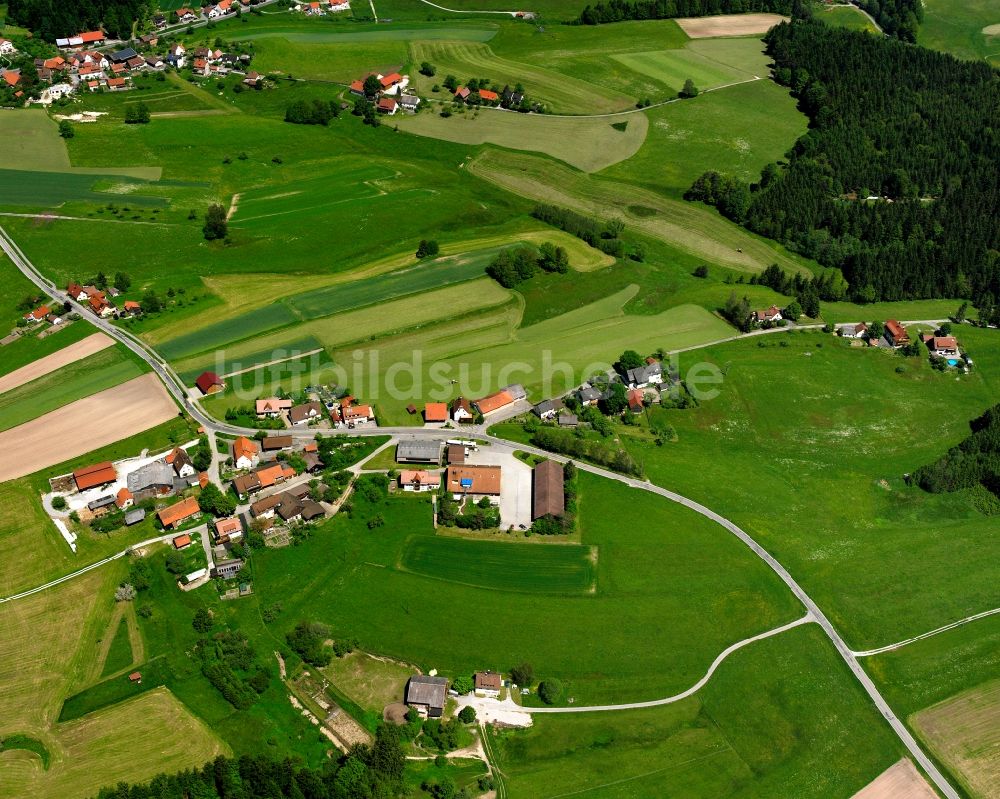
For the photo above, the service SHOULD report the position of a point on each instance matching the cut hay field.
(969, 29)
(848, 528)
(849, 17)
(473, 31)
(74, 381)
(781, 717)
(501, 566)
(964, 732)
(702, 590)
(123, 411)
(737, 130)
(340, 61)
(710, 63)
(371, 682)
(558, 92)
(589, 144)
(729, 25)
(688, 227)
(74, 351)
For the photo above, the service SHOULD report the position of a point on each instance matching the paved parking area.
(515, 484)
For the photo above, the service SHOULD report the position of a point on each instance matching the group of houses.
(428, 694)
(392, 94)
(319, 8)
(942, 346)
(99, 301)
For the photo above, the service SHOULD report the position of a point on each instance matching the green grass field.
(779, 718)
(968, 29)
(120, 652)
(703, 592)
(501, 566)
(710, 63)
(737, 130)
(846, 17)
(850, 426)
(589, 144)
(104, 369)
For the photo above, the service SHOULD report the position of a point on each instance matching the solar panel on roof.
(466, 482)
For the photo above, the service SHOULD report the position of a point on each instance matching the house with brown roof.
(276, 443)
(98, 474)
(462, 93)
(263, 478)
(455, 454)
(244, 453)
(209, 383)
(944, 346)
(264, 508)
(180, 462)
(473, 482)
(547, 495)
(305, 413)
(37, 315)
(387, 105)
(182, 541)
(494, 402)
(435, 412)
(771, 314)
(489, 97)
(635, 400)
(461, 411)
(356, 414)
(487, 683)
(895, 334)
(124, 498)
(132, 308)
(178, 512)
(388, 81)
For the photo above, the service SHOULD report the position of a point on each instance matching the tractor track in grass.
(177, 388)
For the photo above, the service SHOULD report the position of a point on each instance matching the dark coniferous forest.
(53, 19)
(918, 129)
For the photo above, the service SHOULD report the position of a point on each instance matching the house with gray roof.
(153, 478)
(427, 694)
(645, 375)
(417, 451)
(547, 409)
(588, 395)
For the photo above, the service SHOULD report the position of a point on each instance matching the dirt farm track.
(730, 25)
(74, 352)
(85, 425)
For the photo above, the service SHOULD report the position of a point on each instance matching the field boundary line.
(899, 644)
(255, 367)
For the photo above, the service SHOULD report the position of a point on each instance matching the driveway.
(515, 484)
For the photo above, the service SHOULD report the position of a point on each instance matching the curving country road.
(178, 390)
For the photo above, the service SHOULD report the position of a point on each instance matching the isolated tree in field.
(372, 86)
(450, 82)
(792, 311)
(137, 114)
(151, 303)
(122, 281)
(124, 593)
(101, 281)
(523, 674)
(66, 130)
(427, 248)
(549, 691)
(701, 271)
(427, 68)
(216, 226)
(689, 90)
(202, 621)
(960, 314)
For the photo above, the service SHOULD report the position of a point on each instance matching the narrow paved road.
(177, 388)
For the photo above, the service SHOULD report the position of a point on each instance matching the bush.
(308, 642)
(549, 691)
(467, 714)
(59, 503)
(523, 674)
(462, 685)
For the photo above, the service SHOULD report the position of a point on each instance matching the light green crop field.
(849, 426)
(849, 17)
(486, 351)
(703, 592)
(119, 654)
(588, 143)
(559, 93)
(502, 566)
(686, 226)
(341, 61)
(104, 369)
(737, 130)
(781, 717)
(970, 29)
(476, 31)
